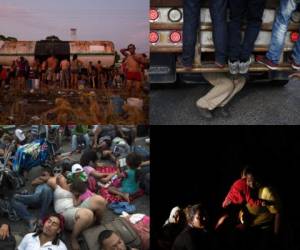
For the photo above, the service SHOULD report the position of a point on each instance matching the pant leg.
(87, 140)
(46, 199)
(191, 15)
(223, 87)
(218, 13)
(237, 11)
(280, 27)
(74, 142)
(21, 210)
(238, 85)
(255, 12)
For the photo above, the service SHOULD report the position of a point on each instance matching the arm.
(96, 134)
(4, 231)
(40, 180)
(76, 200)
(124, 52)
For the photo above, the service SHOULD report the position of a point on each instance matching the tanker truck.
(87, 51)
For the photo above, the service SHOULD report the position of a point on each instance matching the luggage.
(121, 226)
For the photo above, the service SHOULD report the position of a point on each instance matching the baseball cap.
(20, 134)
(77, 168)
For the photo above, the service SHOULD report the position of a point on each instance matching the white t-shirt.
(33, 243)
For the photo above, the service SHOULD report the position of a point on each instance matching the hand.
(4, 231)
(226, 203)
(296, 75)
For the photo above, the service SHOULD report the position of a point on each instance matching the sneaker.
(180, 64)
(265, 61)
(224, 112)
(244, 66)
(205, 113)
(295, 65)
(219, 65)
(233, 67)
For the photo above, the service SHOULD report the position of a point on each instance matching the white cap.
(20, 134)
(77, 168)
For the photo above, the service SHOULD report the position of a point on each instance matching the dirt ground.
(56, 106)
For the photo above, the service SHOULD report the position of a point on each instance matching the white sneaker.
(233, 67)
(244, 66)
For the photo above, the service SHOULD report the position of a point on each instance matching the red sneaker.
(265, 61)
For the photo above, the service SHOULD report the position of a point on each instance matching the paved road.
(255, 104)
(19, 229)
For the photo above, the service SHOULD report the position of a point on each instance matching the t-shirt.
(129, 184)
(31, 242)
(264, 215)
(80, 130)
(88, 170)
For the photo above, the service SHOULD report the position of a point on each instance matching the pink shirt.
(87, 194)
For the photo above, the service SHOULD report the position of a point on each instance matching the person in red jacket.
(239, 192)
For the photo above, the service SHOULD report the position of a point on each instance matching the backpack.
(8, 243)
(121, 226)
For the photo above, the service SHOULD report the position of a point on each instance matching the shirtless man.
(99, 73)
(133, 68)
(52, 64)
(65, 73)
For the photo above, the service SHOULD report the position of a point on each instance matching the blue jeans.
(191, 15)
(42, 197)
(280, 28)
(253, 10)
(74, 141)
(218, 11)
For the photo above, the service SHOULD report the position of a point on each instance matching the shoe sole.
(268, 66)
(295, 67)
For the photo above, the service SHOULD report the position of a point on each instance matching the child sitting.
(129, 183)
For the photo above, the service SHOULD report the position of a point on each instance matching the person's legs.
(191, 13)
(87, 140)
(46, 199)
(218, 12)
(237, 12)
(280, 27)
(223, 87)
(74, 143)
(98, 205)
(238, 85)
(83, 219)
(116, 191)
(22, 210)
(255, 10)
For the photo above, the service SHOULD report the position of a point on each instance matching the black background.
(193, 164)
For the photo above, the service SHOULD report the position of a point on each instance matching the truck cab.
(165, 38)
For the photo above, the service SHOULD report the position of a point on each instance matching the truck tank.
(87, 51)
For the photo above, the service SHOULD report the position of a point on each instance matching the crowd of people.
(250, 220)
(74, 195)
(74, 74)
(234, 50)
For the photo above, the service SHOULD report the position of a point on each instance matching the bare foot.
(126, 197)
(75, 245)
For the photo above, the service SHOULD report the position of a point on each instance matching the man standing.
(240, 51)
(65, 73)
(280, 27)
(191, 13)
(133, 67)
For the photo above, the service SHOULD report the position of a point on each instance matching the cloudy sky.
(121, 21)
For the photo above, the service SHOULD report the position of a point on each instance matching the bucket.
(118, 103)
(135, 102)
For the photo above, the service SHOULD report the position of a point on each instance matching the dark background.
(193, 164)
